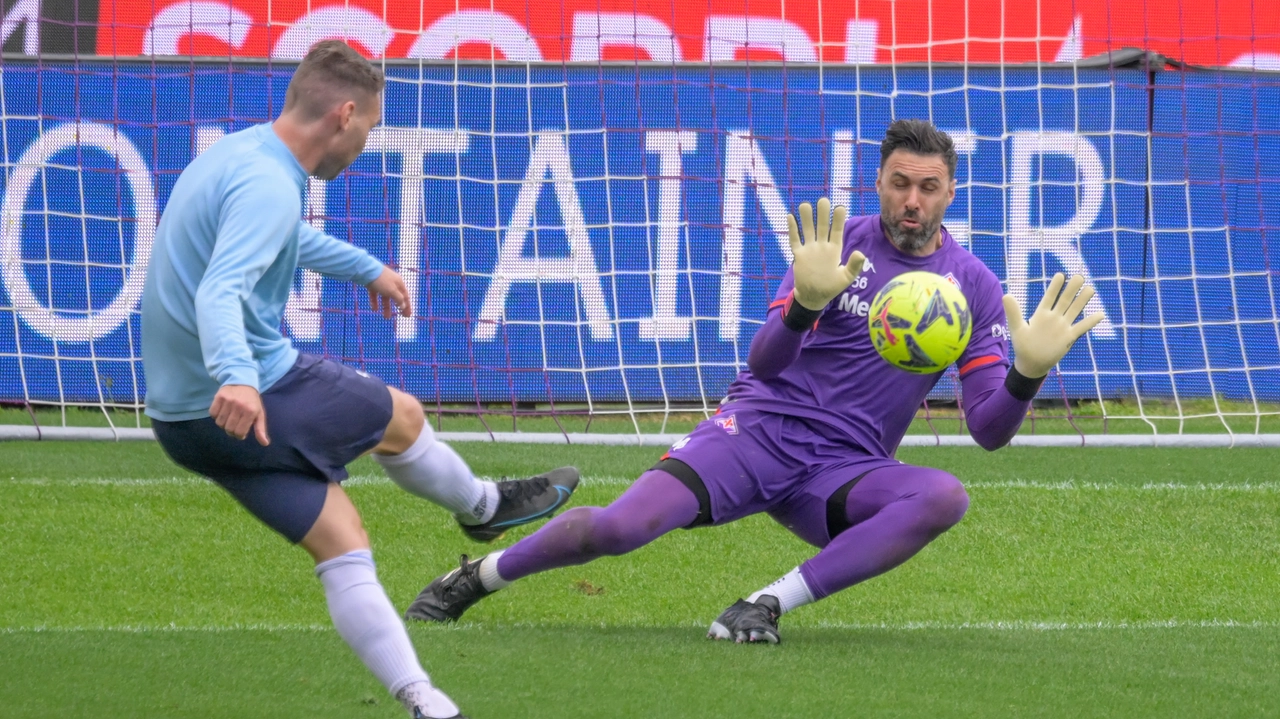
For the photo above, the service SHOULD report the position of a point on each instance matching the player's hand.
(389, 292)
(1039, 343)
(237, 408)
(818, 273)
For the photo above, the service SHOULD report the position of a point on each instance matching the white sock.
(489, 577)
(790, 590)
(432, 470)
(366, 621)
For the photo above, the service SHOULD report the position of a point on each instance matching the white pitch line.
(1010, 625)
(1018, 625)
(368, 479)
(166, 628)
(101, 481)
(355, 480)
(1148, 486)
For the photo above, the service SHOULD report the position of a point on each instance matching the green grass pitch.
(1082, 583)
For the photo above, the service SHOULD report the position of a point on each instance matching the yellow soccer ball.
(920, 322)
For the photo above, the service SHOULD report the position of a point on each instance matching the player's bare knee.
(356, 530)
(408, 412)
(407, 423)
(338, 530)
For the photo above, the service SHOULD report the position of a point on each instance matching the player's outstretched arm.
(996, 400)
(816, 277)
(1040, 342)
(334, 258)
(344, 261)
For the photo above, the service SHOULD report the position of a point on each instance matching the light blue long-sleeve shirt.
(226, 251)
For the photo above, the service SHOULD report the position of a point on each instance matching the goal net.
(588, 201)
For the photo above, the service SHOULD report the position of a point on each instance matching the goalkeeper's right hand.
(1040, 342)
(819, 276)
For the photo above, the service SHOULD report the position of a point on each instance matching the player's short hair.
(332, 73)
(918, 137)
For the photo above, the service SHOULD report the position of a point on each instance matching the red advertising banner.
(1243, 33)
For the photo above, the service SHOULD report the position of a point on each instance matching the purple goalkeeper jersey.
(839, 378)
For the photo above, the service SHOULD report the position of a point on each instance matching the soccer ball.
(920, 322)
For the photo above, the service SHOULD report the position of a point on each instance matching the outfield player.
(808, 432)
(231, 399)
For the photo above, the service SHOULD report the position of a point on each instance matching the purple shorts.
(320, 416)
(753, 462)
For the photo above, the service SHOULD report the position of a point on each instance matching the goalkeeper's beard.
(908, 239)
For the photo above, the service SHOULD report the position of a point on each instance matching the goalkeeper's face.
(915, 191)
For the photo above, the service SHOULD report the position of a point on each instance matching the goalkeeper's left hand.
(1039, 343)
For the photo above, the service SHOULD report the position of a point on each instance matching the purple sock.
(654, 505)
(895, 512)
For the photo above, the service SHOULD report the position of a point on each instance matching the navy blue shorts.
(320, 416)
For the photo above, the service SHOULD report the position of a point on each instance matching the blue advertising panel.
(615, 233)
(1208, 327)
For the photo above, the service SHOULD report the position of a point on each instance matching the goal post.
(592, 242)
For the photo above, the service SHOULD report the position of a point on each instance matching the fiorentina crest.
(728, 424)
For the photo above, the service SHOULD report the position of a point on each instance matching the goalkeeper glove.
(1039, 343)
(819, 276)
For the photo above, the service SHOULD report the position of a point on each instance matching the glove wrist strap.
(797, 317)
(1022, 387)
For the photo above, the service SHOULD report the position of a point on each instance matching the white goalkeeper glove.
(819, 276)
(1039, 343)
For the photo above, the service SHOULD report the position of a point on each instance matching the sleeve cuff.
(247, 376)
(797, 317)
(1022, 388)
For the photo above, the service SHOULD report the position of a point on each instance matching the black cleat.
(448, 596)
(525, 500)
(749, 622)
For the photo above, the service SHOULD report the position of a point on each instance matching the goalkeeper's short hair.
(919, 137)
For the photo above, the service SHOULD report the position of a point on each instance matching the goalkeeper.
(230, 398)
(808, 432)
